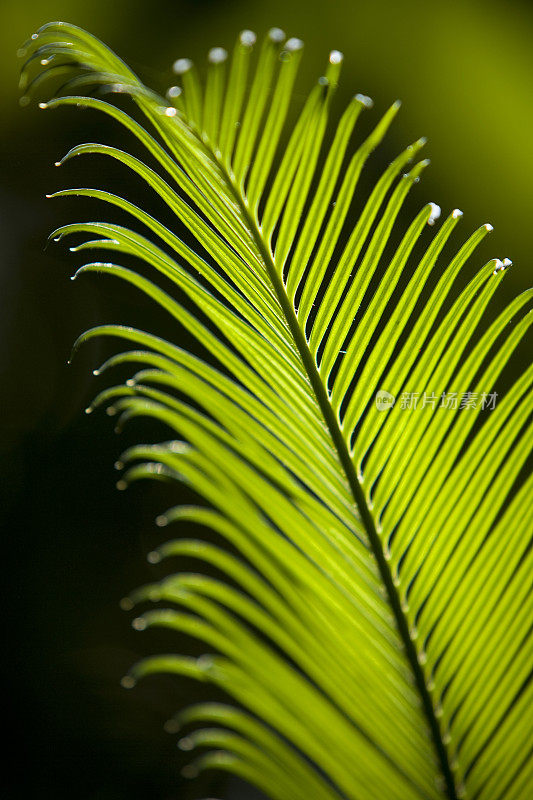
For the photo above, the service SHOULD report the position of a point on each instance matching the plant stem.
(333, 425)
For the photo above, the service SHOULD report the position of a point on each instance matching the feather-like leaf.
(374, 632)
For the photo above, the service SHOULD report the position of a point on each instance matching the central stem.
(333, 425)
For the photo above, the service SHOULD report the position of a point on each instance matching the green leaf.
(374, 628)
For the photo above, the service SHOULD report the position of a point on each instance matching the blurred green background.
(73, 546)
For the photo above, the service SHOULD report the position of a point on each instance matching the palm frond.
(378, 643)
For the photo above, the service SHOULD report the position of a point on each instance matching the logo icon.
(384, 400)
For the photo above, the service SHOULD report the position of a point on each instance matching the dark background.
(72, 545)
